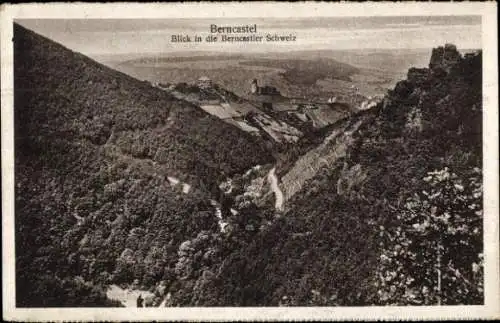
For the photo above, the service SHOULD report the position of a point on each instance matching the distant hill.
(393, 61)
(179, 58)
(297, 71)
(307, 72)
(293, 75)
(93, 150)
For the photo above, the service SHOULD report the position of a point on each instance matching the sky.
(134, 36)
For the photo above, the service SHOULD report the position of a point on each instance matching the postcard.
(249, 161)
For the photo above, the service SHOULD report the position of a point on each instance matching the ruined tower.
(254, 87)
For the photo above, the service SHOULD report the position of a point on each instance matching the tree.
(435, 256)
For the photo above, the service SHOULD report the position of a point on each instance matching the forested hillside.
(307, 72)
(397, 220)
(93, 150)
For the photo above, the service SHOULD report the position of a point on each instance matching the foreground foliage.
(435, 256)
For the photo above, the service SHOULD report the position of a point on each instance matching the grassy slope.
(96, 145)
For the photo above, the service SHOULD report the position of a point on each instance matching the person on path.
(140, 301)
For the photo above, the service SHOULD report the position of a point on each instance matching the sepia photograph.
(264, 162)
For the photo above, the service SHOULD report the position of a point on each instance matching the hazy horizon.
(96, 37)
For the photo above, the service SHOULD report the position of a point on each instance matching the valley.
(297, 74)
(315, 178)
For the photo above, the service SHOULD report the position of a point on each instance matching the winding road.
(273, 181)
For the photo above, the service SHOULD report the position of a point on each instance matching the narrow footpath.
(273, 181)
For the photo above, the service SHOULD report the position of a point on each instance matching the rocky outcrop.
(350, 178)
(444, 58)
(414, 120)
(418, 76)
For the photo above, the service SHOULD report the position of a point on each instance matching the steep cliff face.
(365, 207)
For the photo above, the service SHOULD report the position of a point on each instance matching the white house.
(204, 82)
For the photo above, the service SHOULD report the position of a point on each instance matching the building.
(254, 87)
(264, 90)
(204, 82)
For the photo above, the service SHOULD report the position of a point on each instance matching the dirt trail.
(273, 181)
(128, 297)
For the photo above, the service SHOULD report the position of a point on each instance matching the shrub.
(435, 255)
